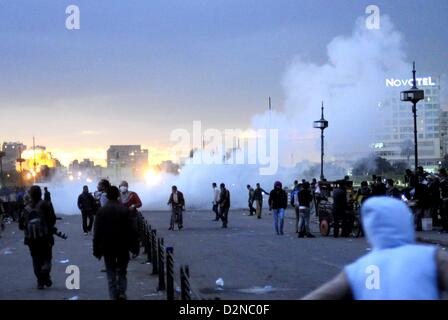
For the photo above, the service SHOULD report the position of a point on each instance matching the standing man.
(38, 221)
(177, 203)
(47, 195)
(215, 201)
(101, 193)
(444, 197)
(129, 199)
(87, 205)
(278, 201)
(224, 205)
(114, 236)
(304, 199)
(251, 200)
(340, 209)
(258, 198)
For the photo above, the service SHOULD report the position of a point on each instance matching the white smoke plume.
(351, 83)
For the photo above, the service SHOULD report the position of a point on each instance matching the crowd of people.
(111, 214)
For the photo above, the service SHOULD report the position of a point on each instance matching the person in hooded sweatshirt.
(278, 201)
(397, 268)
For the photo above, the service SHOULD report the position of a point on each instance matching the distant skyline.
(137, 70)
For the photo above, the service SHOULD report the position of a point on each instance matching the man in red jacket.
(129, 199)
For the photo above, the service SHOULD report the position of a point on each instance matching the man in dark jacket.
(114, 236)
(278, 201)
(304, 198)
(38, 221)
(340, 210)
(177, 203)
(87, 205)
(224, 205)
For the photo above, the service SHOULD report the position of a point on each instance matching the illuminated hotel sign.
(421, 82)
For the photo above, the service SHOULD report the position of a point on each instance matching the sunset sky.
(136, 70)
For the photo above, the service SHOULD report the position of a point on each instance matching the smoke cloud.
(351, 84)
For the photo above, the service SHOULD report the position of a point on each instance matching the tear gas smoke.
(352, 83)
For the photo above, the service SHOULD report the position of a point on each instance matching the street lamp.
(414, 95)
(321, 124)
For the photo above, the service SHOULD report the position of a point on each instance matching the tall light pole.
(414, 95)
(321, 124)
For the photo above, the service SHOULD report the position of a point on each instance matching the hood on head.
(387, 222)
(277, 184)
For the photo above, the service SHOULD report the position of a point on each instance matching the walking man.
(224, 205)
(258, 198)
(278, 201)
(251, 200)
(177, 203)
(38, 221)
(113, 238)
(87, 205)
(215, 201)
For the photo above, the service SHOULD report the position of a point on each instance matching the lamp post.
(414, 95)
(321, 124)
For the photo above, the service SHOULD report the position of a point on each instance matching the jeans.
(176, 216)
(224, 215)
(258, 206)
(444, 214)
(304, 220)
(41, 252)
(116, 268)
(87, 215)
(251, 208)
(215, 210)
(279, 216)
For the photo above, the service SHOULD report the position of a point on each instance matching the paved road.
(252, 260)
(18, 281)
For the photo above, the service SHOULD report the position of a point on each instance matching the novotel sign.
(421, 82)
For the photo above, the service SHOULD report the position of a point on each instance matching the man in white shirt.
(215, 201)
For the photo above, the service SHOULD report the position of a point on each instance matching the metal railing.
(161, 259)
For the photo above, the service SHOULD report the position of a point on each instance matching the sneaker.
(309, 235)
(170, 228)
(122, 296)
(180, 227)
(40, 286)
(48, 283)
(301, 235)
(86, 233)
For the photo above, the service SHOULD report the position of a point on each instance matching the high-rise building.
(127, 157)
(394, 132)
(12, 152)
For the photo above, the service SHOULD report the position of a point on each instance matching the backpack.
(34, 223)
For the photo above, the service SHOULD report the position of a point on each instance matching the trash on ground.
(220, 282)
(258, 290)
